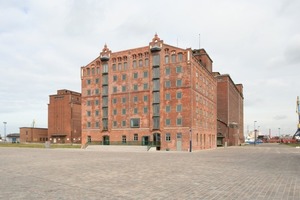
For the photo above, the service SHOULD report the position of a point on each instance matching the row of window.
(135, 98)
(135, 87)
(135, 63)
(135, 110)
(135, 75)
(134, 123)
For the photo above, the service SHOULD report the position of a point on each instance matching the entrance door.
(105, 140)
(145, 140)
(156, 140)
(178, 142)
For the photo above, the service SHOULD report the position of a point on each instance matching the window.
(173, 58)
(115, 89)
(146, 62)
(178, 82)
(135, 137)
(125, 66)
(88, 92)
(145, 109)
(115, 123)
(105, 90)
(123, 123)
(155, 97)
(88, 113)
(155, 73)
(135, 99)
(145, 86)
(119, 66)
(96, 112)
(167, 71)
(88, 81)
(88, 124)
(88, 103)
(124, 100)
(93, 71)
(168, 96)
(178, 108)
(135, 123)
(105, 112)
(97, 80)
(167, 84)
(168, 108)
(168, 122)
(178, 95)
(98, 70)
(123, 77)
(135, 75)
(124, 139)
(124, 111)
(168, 137)
(156, 123)
(114, 100)
(114, 67)
(178, 69)
(156, 109)
(145, 98)
(140, 63)
(115, 112)
(180, 56)
(135, 111)
(179, 121)
(135, 87)
(105, 101)
(105, 68)
(166, 59)
(96, 102)
(156, 85)
(97, 91)
(123, 88)
(134, 64)
(105, 79)
(115, 78)
(97, 125)
(145, 74)
(156, 60)
(88, 71)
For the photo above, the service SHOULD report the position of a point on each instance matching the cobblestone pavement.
(261, 172)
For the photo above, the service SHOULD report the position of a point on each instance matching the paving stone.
(262, 172)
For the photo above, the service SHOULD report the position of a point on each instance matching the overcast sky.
(43, 44)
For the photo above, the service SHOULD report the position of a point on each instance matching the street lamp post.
(4, 131)
(254, 133)
(279, 134)
(190, 140)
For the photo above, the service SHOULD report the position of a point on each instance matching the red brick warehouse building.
(230, 111)
(157, 94)
(64, 117)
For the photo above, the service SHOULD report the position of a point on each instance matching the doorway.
(106, 140)
(145, 140)
(156, 140)
(179, 142)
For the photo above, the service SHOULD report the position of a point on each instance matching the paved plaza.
(262, 172)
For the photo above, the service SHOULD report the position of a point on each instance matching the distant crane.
(297, 134)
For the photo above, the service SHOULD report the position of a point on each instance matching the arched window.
(166, 59)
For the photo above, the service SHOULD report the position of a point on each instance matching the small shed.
(13, 138)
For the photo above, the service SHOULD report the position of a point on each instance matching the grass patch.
(39, 145)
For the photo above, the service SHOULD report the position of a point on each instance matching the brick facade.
(230, 111)
(64, 117)
(35, 135)
(157, 94)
